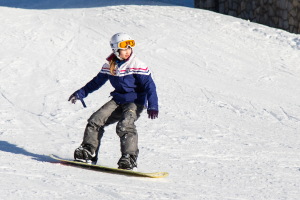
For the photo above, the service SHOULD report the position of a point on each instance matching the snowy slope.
(229, 119)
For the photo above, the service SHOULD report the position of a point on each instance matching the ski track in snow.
(228, 91)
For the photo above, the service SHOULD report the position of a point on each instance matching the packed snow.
(228, 89)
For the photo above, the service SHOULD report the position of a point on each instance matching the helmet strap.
(116, 52)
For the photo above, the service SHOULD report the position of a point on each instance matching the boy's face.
(125, 53)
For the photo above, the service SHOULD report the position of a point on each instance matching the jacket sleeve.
(93, 85)
(148, 85)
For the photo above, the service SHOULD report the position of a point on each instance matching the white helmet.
(117, 39)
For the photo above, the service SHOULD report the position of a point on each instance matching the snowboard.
(110, 169)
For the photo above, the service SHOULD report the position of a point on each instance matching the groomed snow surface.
(229, 97)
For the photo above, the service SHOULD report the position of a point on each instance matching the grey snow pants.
(110, 113)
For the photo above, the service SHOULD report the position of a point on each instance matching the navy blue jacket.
(133, 83)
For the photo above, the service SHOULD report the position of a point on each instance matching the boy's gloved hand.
(73, 98)
(152, 114)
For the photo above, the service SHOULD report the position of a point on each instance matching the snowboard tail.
(110, 169)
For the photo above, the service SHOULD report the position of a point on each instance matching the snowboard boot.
(86, 153)
(128, 162)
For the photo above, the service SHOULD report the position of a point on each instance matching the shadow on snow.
(11, 148)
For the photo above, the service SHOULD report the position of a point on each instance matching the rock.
(295, 3)
(282, 4)
(291, 21)
(275, 19)
(266, 17)
(226, 7)
(285, 15)
(271, 11)
(257, 18)
(246, 15)
(279, 13)
(222, 8)
(232, 13)
(271, 23)
(234, 6)
(257, 3)
(293, 13)
(254, 5)
(210, 4)
(243, 6)
(274, 7)
(257, 11)
(280, 23)
(248, 7)
(290, 6)
(261, 3)
(251, 16)
(243, 15)
(229, 4)
(201, 4)
(296, 23)
(286, 24)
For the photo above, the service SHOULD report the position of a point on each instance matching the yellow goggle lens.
(126, 43)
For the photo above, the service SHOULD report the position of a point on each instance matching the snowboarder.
(134, 87)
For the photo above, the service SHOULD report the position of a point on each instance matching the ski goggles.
(124, 44)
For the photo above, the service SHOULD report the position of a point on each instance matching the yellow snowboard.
(110, 169)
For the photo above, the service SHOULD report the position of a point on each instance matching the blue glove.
(152, 114)
(74, 97)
